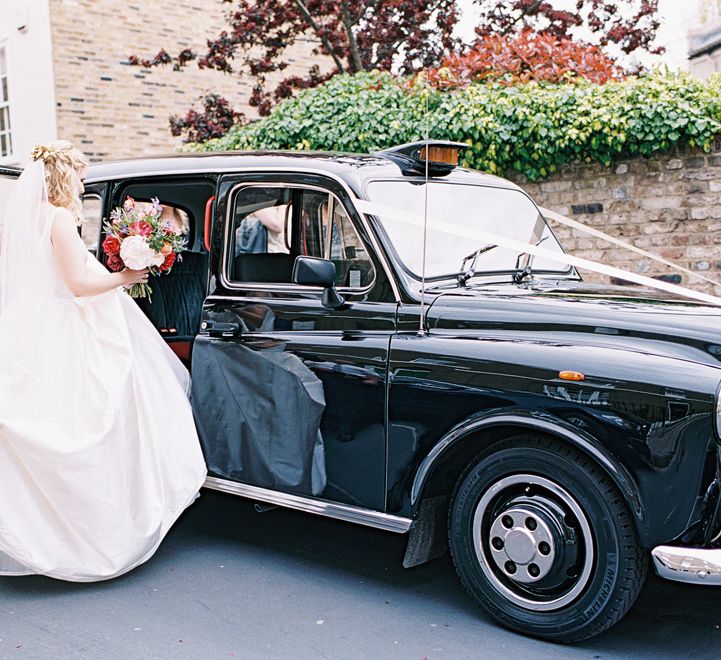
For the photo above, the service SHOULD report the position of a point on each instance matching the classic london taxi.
(350, 361)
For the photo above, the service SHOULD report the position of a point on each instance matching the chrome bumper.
(692, 565)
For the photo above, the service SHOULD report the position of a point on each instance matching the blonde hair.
(63, 164)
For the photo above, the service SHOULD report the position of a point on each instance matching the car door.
(288, 394)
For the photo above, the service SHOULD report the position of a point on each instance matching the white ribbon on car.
(481, 236)
(563, 220)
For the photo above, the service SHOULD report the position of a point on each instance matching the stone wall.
(112, 110)
(668, 204)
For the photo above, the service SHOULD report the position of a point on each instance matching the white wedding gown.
(98, 449)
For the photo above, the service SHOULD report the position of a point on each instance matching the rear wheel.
(543, 541)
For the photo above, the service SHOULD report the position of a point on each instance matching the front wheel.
(543, 541)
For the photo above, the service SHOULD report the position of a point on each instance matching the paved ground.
(232, 583)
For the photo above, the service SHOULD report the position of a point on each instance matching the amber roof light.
(411, 158)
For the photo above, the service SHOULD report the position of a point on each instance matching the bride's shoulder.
(60, 213)
(62, 222)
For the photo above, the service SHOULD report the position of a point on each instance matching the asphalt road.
(231, 583)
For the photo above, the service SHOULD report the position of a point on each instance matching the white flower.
(137, 254)
(159, 259)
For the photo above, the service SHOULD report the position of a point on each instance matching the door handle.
(220, 328)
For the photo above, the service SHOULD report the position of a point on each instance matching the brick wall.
(668, 204)
(111, 110)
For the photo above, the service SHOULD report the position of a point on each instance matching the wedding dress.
(98, 449)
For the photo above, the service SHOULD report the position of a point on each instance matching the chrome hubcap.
(533, 542)
(522, 545)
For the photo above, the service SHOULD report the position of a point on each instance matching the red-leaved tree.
(356, 35)
(401, 35)
(520, 58)
(630, 24)
(215, 120)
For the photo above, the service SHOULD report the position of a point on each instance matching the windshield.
(508, 213)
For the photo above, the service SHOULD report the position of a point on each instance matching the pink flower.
(141, 228)
(170, 230)
(129, 203)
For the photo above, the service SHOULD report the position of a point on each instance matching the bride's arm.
(71, 258)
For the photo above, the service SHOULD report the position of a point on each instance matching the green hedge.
(532, 128)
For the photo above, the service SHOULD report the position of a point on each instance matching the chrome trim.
(691, 565)
(263, 286)
(486, 565)
(353, 514)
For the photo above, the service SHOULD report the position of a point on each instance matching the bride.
(98, 450)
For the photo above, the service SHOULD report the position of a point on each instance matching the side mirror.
(312, 271)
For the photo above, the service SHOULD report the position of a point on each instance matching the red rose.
(111, 245)
(115, 263)
(168, 263)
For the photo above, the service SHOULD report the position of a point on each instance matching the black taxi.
(350, 362)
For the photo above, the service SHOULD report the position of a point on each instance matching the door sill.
(347, 512)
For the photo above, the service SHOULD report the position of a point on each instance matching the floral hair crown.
(42, 152)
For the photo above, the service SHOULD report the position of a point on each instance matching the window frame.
(227, 253)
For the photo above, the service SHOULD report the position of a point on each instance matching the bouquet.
(137, 238)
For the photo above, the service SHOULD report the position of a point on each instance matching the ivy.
(532, 128)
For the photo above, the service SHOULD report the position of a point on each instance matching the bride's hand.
(130, 277)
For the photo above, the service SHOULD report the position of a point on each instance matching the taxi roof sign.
(411, 157)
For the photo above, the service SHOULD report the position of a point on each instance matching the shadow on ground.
(289, 564)
(668, 620)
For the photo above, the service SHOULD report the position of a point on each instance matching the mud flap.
(428, 538)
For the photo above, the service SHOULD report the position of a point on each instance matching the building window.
(6, 145)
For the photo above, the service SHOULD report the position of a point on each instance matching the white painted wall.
(25, 32)
(706, 37)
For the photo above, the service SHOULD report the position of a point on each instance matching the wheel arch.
(454, 451)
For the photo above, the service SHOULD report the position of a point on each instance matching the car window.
(183, 200)
(454, 211)
(173, 216)
(273, 224)
(90, 228)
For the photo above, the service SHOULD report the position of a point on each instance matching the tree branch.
(528, 11)
(369, 8)
(317, 29)
(352, 43)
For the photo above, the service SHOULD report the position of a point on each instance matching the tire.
(543, 541)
